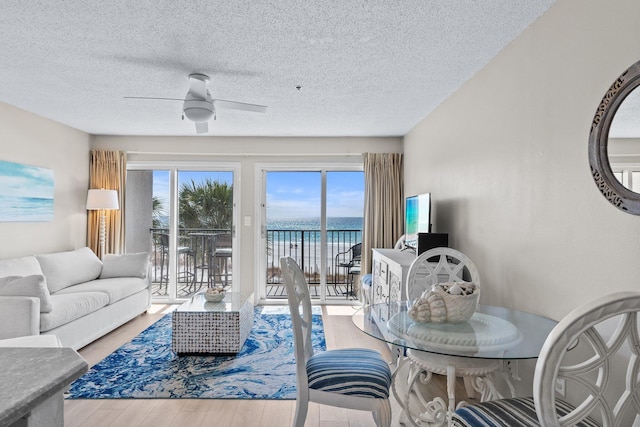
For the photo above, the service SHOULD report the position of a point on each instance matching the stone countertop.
(29, 376)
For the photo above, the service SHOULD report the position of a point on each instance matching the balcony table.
(492, 335)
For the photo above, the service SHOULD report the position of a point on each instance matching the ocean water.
(341, 231)
(25, 209)
(310, 223)
(300, 239)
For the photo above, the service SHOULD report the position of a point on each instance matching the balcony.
(204, 260)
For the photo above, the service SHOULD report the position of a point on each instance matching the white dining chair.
(435, 266)
(594, 351)
(354, 378)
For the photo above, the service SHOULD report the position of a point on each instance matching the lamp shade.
(102, 199)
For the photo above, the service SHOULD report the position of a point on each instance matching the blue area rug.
(147, 368)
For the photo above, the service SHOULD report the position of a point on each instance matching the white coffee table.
(200, 326)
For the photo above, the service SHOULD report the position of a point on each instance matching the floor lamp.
(102, 200)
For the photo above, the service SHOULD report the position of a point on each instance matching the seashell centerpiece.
(214, 294)
(446, 303)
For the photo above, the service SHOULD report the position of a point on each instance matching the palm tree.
(206, 204)
(158, 212)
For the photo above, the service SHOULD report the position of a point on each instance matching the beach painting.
(26, 193)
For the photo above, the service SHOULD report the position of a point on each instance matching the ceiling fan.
(199, 106)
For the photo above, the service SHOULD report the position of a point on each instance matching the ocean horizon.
(303, 223)
(313, 223)
(26, 209)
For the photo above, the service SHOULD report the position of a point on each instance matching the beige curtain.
(107, 170)
(383, 203)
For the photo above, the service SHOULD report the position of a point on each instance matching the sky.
(297, 194)
(289, 194)
(161, 180)
(19, 180)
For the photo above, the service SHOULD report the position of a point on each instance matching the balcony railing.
(195, 254)
(304, 246)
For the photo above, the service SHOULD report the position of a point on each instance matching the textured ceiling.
(367, 68)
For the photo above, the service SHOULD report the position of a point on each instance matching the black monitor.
(428, 241)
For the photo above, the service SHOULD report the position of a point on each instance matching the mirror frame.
(617, 194)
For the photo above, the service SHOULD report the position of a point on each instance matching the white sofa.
(72, 295)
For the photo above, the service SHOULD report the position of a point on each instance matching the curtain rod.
(247, 154)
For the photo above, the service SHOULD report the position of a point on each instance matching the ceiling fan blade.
(148, 97)
(202, 127)
(232, 105)
(198, 85)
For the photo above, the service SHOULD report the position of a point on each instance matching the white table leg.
(451, 387)
(420, 409)
(404, 385)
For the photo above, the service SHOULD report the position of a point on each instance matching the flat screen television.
(417, 218)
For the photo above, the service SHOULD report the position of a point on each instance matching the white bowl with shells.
(450, 302)
(214, 294)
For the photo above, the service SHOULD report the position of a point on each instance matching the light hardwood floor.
(339, 331)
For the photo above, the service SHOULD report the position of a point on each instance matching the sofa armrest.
(19, 316)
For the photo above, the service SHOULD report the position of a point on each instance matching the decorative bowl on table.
(446, 303)
(214, 294)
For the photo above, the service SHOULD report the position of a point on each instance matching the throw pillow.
(125, 265)
(27, 286)
(69, 268)
(25, 266)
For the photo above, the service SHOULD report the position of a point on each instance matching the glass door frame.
(261, 170)
(173, 167)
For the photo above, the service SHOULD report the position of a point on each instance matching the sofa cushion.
(28, 286)
(125, 265)
(24, 266)
(64, 269)
(69, 307)
(116, 288)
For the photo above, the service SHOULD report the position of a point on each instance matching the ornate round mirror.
(612, 153)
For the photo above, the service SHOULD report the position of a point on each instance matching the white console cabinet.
(390, 268)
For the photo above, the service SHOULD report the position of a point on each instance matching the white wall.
(33, 140)
(248, 152)
(506, 160)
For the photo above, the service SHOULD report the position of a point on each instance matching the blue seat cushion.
(512, 412)
(355, 372)
(367, 280)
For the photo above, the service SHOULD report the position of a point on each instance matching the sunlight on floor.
(162, 308)
(341, 310)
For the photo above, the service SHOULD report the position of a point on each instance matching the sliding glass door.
(315, 217)
(190, 230)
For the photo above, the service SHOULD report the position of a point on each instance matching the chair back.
(164, 240)
(300, 308)
(399, 243)
(222, 240)
(439, 265)
(581, 352)
(356, 251)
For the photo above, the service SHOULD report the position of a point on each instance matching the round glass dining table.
(477, 348)
(492, 332)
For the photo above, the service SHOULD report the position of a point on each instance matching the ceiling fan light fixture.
(198, 110)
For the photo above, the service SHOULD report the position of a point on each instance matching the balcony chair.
(352, 266)
(219, 258)
(586, 350)
(187, 258)
(434, 266)
(355, 378)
